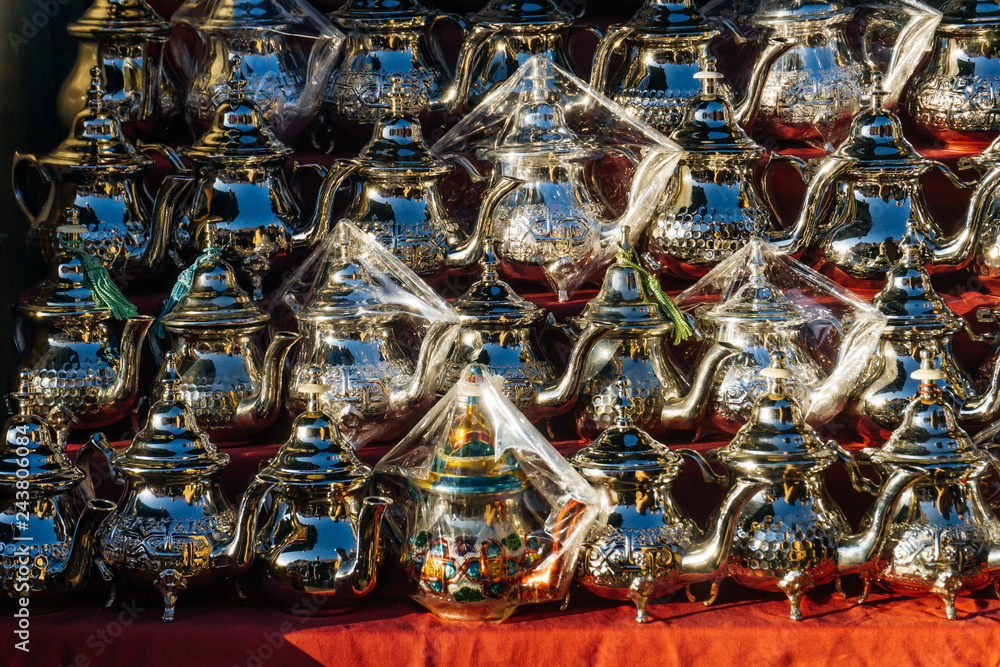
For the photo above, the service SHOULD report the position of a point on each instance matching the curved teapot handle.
(625, 152)
(954, 178)
(434, 26)
(575, 32)
(611, 42)
(98, 443)
(797, 163)
(19, 180)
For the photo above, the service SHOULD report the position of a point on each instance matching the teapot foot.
(170, 583)
(794, 585)
(565, 601)
(839, 584)
(109, 577)
(865, 591)
(946, 587)
(239, 590)
(640, 590)
(712, 594)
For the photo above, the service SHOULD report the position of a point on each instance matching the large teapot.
(647, 547)
(862, 197)
(778, 448)
(99, 173)
(74, 359)
(308, 525)
(238, 184)
(226, 380)
(944, 539)
(46, 542)
(639, 318)
(954, 96)
(173, 511)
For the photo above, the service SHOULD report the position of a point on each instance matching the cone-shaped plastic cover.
(380, 10)
(624, 450)
(908, 298)
(757, 298)
(772, 12)
(66, 290)
(876, 139)
(47, 467)
(492, 301)
(521, 12)
(119, 17)
(289, 17)
(680, 18)
(238, 131)
(965, 12)
(709, 126)
(171, 440)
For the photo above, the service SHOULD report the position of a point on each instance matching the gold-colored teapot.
(308, 525)
(791, 536)
(96, 171)
(173, 511)
(227, 381)
(944, 538)
(46, 541)
(74, 359)
(647, 547)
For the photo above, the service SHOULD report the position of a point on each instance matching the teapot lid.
(785, 12)
(96, 139)
(238, 131)
(876, 138)
(757, 298)
(171, 440)
(316, 453)
(66, 290)
(521, 12)
(119, 17)
(708, 125)
(380, 10)
(492, 301)
(397, 142)
(676, 18)
(908, 299)
(776, 430)
(625, 450)
(349, 289)
(929, 433)
(215, 298)
(970, 12)
(48, 468)
(623, 299)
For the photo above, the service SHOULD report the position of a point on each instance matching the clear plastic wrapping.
(490, 515)
(376, 332)
(762, 302)
(286, 47)
(904, 30)
(587, 167)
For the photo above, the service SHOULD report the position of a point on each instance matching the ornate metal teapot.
(635, 347)
(173, 511)
(498, 331)
(986, 254)
(74, 360)
(46, 542)
(944, 538)
(238, 184)
(99, 173)
(228, 383)
(396, 197)
(859, 202)
(953, 97)
(791, 536)
(124, 39)
(717, 206)
(920, 324)
(647, 547)
(307, 524)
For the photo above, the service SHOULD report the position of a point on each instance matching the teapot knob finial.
(776, 374)
(95, 96)
(237, 81)
(623, 408)
(489, 260)
(878, 91)
(928, 375)
(70, 233)
(26, 393)
(170, 377)
(709, 77)
(314, 388)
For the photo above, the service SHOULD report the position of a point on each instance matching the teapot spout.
(986, 406)
(471, 249)
(857, 551)
(706, 559)
(164, 206)
(321, 223)
(827, 398)
(683, 412)
(365, 576)
(746, 111)
(957, 248)
(75, 573)
(234, 557)
(123, 388)
(819, 195)
(424, 380)
(557, 397)
(261, 408)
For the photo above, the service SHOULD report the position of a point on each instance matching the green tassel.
(183, 286)
(103, 288)
(630, 259)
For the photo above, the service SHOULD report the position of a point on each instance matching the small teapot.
(46, 542)
(74, 359)
(953, 96)
(125, 40)
(862, 197)
(96, 171)
(944, 539)
(226, 380)
(307, 524)
(717, 205)
(647, 547)
(173, 511)
(631, 306)
(396, 196)
(498, 331)
(791, 536)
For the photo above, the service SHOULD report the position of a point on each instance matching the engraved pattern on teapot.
(362, 96)
(424, 253)
(813, 96)
(520, 380)
(960, 103)
(148, 544)
(368, 386)
(539, 233)
(613, 555)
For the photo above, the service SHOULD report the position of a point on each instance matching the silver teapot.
(647, 547)
(308, 526)
(986, 253)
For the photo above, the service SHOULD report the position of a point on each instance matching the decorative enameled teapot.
(74, 360)
(173, 511)
(778, 448)
(46, 542)
(226, 380)
(647, 547)
(308, 525)
(99, 173)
